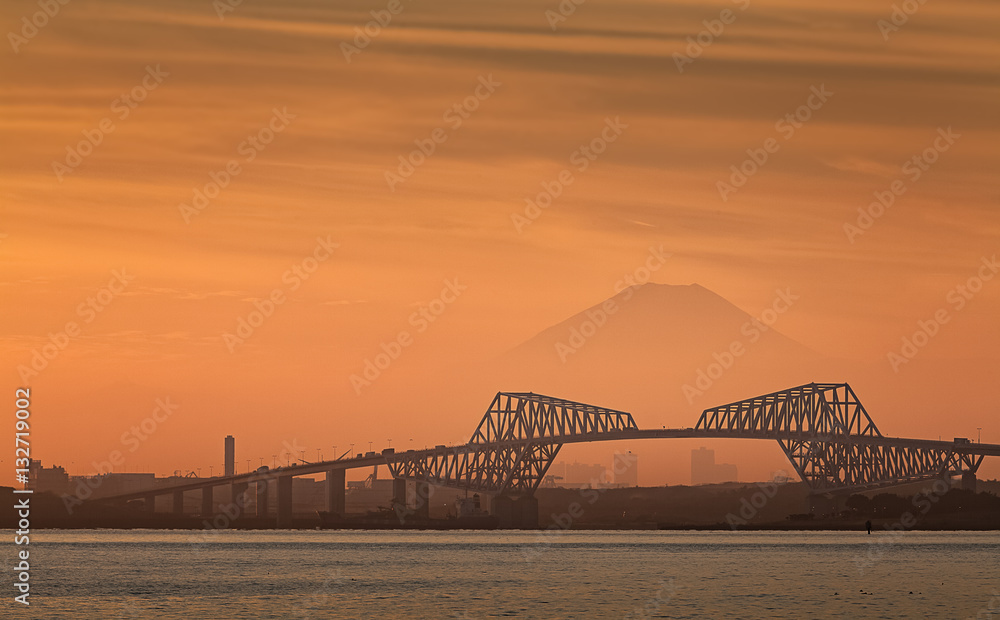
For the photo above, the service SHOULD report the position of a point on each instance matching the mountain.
(657, 346)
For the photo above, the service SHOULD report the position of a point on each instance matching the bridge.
(825, 432)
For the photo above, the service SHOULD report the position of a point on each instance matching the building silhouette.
(230, 455)
(704, 469)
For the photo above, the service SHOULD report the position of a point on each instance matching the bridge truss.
(514, 445)
(824, 430)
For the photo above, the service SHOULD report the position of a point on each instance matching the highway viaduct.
(830, 440)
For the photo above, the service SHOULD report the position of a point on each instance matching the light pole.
(352, 449)
(390, 442)
(369, 446)
(274, 460)
(210, 469)
(335, 457)
(317, 455)
(979, 437)
(248, 466)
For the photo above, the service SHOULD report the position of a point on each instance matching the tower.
(230, 455)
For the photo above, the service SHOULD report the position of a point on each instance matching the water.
(326, 574)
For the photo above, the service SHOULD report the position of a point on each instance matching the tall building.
(704, 469)
(577, 474)
(626, 469)
(230, 455)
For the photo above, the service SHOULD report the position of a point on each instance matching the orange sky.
(211, 83)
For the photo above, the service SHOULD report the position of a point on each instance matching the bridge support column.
(206, 501)
(284, 502)
(399, 496)
(516, 514)
(422, 500)
(238, 497)
(503, 509)
(969, 481)
(178, 502)
(526, 511)
(262, 491)
(335, 499)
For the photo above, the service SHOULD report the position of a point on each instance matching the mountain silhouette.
(658, 345)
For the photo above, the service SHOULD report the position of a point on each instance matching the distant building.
(51, 479)
(626, 469)
(230, 455)
(704, 469)
(577, 474)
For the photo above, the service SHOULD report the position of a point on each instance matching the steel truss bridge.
(825, 432)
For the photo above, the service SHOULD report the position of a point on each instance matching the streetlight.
(352, 449)
(210, 474)
(369, 446)
(979, 437)
(390, 442)
(274, 460)
(317, 455)
(199, 472)
(248, 466)
(335, 457)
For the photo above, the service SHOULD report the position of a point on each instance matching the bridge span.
(825, 432)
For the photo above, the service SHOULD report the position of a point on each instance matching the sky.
(471, 174)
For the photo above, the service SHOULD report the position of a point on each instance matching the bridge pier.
(335, 498)
(516, 514)
(422, 502)
(284, 502)
(969, 481)
(238, 497)
(206, 501)
(262, 491)
(399, 497)
(178, 502)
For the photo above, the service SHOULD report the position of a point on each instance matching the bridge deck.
(976, 449)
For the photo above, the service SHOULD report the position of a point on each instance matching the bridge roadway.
(335, 469)
(830, 439)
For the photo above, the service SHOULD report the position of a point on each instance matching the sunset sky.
(319, 211)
